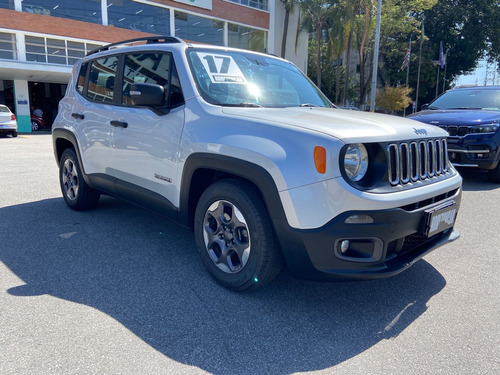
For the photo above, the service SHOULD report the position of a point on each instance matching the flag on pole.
(406, 61)
(442, 58)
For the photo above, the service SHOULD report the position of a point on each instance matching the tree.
(317, 14)
(289, 6)
(394, 98)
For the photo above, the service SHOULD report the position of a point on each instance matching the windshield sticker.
(221, 68)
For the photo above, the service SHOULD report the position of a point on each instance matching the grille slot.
(416, 161)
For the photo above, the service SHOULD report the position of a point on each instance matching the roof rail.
(147, 39)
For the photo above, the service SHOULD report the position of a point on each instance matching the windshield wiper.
(243, 104)
(308, 105)
(465, 108)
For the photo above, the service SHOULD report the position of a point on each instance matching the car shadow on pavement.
(476, 180)
(144, 271)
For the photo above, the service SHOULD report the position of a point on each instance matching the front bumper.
(393, 242)
(475, 150)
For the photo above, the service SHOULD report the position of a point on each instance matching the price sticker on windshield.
(221, 68)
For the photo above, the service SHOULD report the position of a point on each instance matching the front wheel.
(77, 194)
(235, 237)
(494, 174)
(34, 125)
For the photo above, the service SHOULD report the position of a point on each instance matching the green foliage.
(469, 30)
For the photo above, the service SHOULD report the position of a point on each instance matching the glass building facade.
(138, 16)
(199, 29)
(88, 10)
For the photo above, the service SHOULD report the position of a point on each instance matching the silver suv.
(244, 149)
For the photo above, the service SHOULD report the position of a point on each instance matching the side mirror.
(424, 107)
(147, 95)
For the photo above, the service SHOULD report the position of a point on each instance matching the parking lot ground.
(119, 290)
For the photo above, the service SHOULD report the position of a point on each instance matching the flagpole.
(407, 73)
(445, 66)
(375, 56)
(419, 64)
(437, 81)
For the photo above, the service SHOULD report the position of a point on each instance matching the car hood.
(457, 117)
(349, 126)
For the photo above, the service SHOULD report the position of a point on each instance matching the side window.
(102, 79)
(80, 84)
(155, 68)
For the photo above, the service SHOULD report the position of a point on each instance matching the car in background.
(471, 116)
(350, 108)
(37, 123)
(8, 122)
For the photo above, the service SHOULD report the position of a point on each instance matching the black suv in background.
(471, 115)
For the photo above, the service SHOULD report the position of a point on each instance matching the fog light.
(344, 246)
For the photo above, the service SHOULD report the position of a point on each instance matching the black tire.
(34, 125)
(14, 134)
(76, 193)
(235, 237)
(494, 174)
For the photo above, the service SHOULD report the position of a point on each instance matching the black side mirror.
(147, 95)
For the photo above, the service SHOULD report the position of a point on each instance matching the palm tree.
(289, 7)
(317, 14)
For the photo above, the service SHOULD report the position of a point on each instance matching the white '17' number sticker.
(221, 68)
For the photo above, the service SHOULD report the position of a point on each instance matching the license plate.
(441, 218)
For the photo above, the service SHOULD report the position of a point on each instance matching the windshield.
(246, 79)
(487, 99)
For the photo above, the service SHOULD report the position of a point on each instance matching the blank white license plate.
(441, 218)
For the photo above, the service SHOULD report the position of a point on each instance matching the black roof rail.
(147, 39)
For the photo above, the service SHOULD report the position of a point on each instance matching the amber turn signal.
(320, 159)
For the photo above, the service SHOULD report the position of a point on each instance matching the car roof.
(476, 88)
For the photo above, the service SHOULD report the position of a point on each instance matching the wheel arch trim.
(225, 165)
(68, 137)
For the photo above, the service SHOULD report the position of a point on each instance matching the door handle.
(120, 124)
(78, 115)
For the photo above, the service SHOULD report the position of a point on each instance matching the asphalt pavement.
(120, 290)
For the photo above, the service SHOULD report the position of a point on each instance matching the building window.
(138, 16)
(199, 29)
(88, 10)
(8, 48)
(247, 38)
(7, 4)
(258, 4)
(35, 49)
(56, 51)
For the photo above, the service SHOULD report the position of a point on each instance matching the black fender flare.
(69, 137)
(239, 168)
(290, 239)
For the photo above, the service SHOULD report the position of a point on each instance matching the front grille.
(416, 160)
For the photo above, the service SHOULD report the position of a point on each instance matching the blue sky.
(477, 77)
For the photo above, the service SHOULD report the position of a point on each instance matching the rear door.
(91, 110)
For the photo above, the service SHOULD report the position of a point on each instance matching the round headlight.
(356, 162)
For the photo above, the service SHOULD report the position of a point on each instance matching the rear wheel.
(235, 237)
(14, 134)
(77, 194)
(34, 125)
